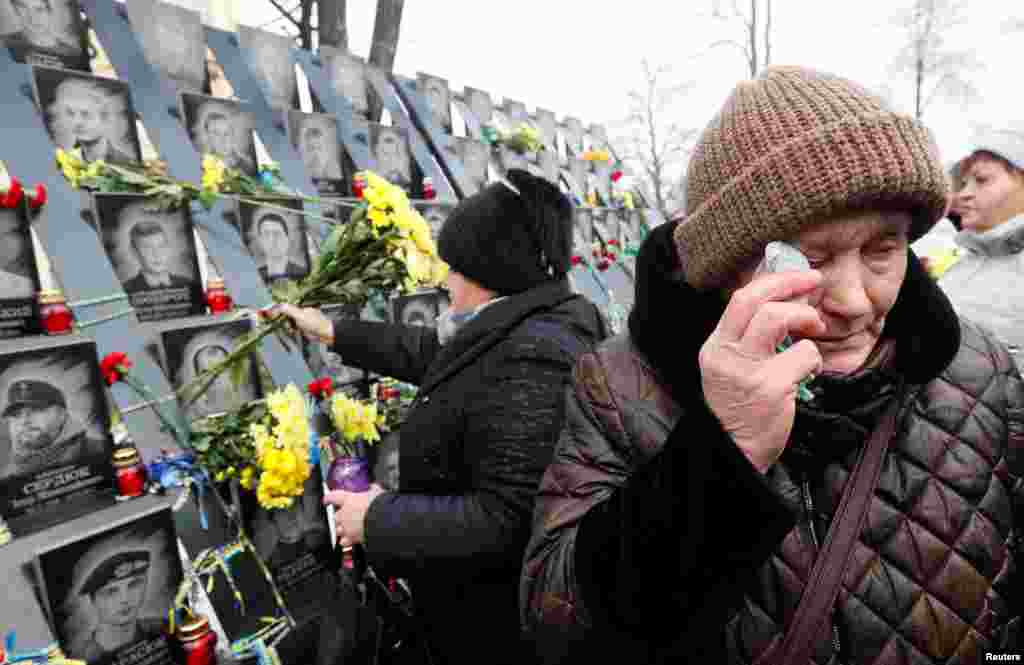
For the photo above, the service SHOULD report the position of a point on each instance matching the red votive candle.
(131, 473)
(217, 297)
(54, 313)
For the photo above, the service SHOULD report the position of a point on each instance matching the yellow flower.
(354, 420)
(71, 165)
(213, 172)
(940, 262)
(627, 200)
(247, 477)
(438, 272)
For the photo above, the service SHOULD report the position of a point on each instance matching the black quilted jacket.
(656, 541)
(473, 448)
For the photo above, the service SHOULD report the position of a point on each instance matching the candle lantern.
(131, 472)
(196, 642)
(217, 297)
(428, 188)
(54, 313)
(358, 186)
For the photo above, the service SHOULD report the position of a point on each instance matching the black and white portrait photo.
(223, 128)
(19, 276)
(348, 77)
(55, 445)
(417, 309)
(601, 179)
(583, 232)
(579, 170)
(574, 136)
(598, 137)
(276, 239)
(109, 592)
(323, 361)
(548, 127)
(392, 155)
(172, 40)
(479, 103)
(386, 458)
(315, 136)
(45, 32)
(605, 223)
(189, 351)
(435, 91)
(547, 165)
(515, 112)
(88, 112)
(153, 252)
(475, 156)
(434, 213)
(269, 57)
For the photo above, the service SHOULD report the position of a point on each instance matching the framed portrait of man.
(190, 350)
(573, 129)
(392, 156)
(475, 156)
(109, 591)
(434, 213)
(172, 40)
(315, 137)
(221, 127)
(45, 32)
(269, 57)
(153, 252)
(323, 361)
(547, 165)
(348, 78)
(295, 544)
(19, 275)
(276, 239)
(435, 90)
(55, 443)
(418, 309)
(480, 104)
(87, 112)
(583, 232)
(547, 126)
(579, 169)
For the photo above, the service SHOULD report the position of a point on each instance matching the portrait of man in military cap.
(44, 32)
(109, 591)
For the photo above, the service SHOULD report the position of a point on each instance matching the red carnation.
(616, 176)
(12, 197)
(321, 388)
(576, 259)
(114, 367)
(38, 200)
(613, 242)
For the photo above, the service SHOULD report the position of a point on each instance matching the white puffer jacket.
(987, 284)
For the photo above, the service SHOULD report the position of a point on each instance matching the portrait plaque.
(190, 350)
(221, 127)
(172, 40)
(268, 56)
(88, 112)
(480, 104)
(435, 90)
(392, 157)
(515, 112)
(475, 156)
(347, 73)
(574, 136)
(19, 276)
(45, 32)
(55, 443)
(109, 592)
(315, 137)
(583, 232)
(418, 309)
(154, 254)
(323, 361)
(295, 543)
(276, 238)
(548, 127)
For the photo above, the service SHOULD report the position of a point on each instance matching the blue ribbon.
(169, 472)
(33, 656)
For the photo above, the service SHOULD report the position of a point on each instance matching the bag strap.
(822, 588)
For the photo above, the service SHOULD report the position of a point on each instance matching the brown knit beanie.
(793, 148)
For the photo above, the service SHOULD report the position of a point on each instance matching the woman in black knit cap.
(491, 379)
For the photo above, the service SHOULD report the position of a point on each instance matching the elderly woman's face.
(991, 194)
(863, 259)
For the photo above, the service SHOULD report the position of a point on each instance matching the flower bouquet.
(523, 139)
(354, 422)
(264, 443)
(384, 247)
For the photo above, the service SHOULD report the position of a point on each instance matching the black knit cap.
(510, 242)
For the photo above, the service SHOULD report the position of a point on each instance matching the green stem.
(146, 394)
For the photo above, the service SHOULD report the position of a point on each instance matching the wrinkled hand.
(749, 387)
(350, 510)
(308, 320)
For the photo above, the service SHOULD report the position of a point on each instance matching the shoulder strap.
(822, 588)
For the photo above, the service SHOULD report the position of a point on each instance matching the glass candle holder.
(131, 473)
(217, 297)
(358, 186)
(54, 314)
(428, 188)
(196, 642)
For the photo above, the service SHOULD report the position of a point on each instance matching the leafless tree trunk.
(751, 26)
(332, 23)
(934, 69)
(300, 16)
(385, 43)
(656, 146)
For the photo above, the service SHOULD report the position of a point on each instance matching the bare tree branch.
(287, 13)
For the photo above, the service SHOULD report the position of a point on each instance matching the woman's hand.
(350, 510)
(749, 387)
(310, 321)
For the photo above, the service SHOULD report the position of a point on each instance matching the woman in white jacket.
(986, 284)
